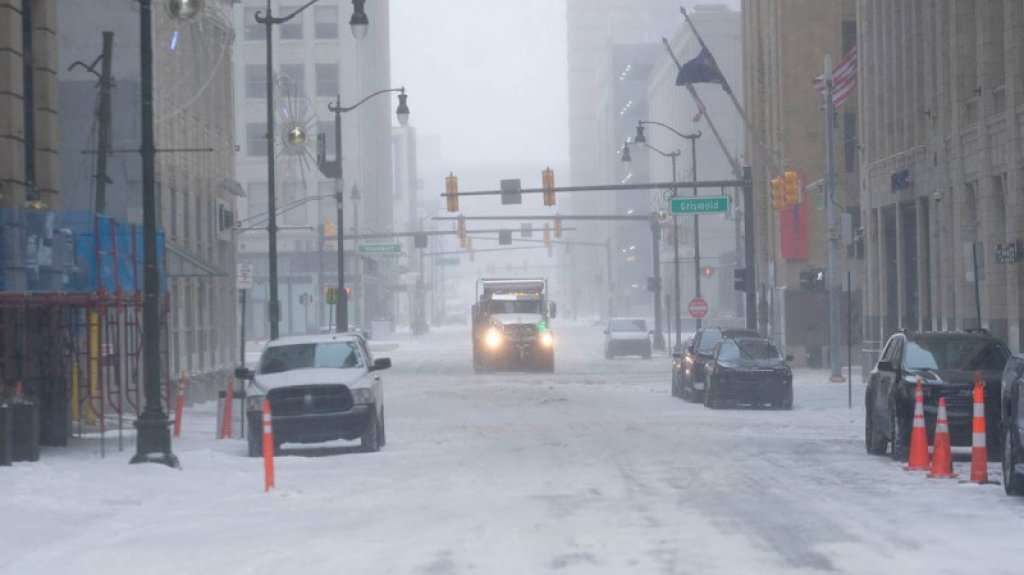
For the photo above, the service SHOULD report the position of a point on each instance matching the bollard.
(179, 408)
(268, 448)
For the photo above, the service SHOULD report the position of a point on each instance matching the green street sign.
(448, 261)
(701, 205)
(380, 248)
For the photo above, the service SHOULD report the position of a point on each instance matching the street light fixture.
(335, 170)
(626, 158)
(184, 9)
(359, 23)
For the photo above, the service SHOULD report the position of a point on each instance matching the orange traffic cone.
(918, 436)
(942, 458)
(979, 455)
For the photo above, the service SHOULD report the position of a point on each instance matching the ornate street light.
(626, 158)
(359, 22)
(640, 138)
(184, 9)
(403, 109)
(297, 136)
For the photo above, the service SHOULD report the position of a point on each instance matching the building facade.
(316, 61)
(942, 173)
(784, 46)
(195, 137)
(29, 110)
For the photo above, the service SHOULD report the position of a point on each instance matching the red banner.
(794, 232)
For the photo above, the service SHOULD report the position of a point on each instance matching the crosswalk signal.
(330, 230)
(778, 194)
(707, 271)
(807, 279)
(451, 190)
(739, 279)
(548, 179)
(791, 185)
(461, 231)
(558, 226)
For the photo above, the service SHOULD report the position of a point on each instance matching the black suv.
(689, 365)
(946, 363)
(1013, 426)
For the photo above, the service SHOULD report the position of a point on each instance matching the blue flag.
(701, 70)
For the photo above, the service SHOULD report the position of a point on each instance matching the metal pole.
(342, 310)
(833, 224)
(748, 248)
(608, 274)
(659, 337)
(849, 338)
(29, 102)
(103, 136)
(153, 442)
(241, 329)
(675, 265)
(977, 288)
(275, 304)
(696, 221)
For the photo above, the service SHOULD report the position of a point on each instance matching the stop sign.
(698, 307)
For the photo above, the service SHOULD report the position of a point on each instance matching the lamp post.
(642, 139)
(359, 24)
(659, 337)
(153, 442)
(335, 170)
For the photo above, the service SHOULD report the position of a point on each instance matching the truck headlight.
(493, 338)
(363, 395)
(547, 339)
(254, 402)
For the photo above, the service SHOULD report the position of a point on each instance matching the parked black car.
(946, 363)
(1012, 413)
(750, 371)
(688, 366)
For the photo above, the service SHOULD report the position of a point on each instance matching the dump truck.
(511, 325)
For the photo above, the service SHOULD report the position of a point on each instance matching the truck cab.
(511, 325)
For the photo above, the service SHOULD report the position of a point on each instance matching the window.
(255, 81)
(294, 193)
(955, 354)
(708, 340)
(327, 80)
(292, 29)
(254, 31)
(729, 351)
(256, 193)
(256, 138)
(326, 22)
(293, 79)
(628, 325)
(283, 358)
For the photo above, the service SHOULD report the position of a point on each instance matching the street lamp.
(335, 170)
(696, 219)
(153, 442)
(359, 23)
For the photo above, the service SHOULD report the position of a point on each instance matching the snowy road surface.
(595, 469)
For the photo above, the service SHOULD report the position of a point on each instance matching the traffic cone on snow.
(918, 436)
(979, 455)
(942, 458)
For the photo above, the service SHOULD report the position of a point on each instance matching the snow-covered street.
(595, 469)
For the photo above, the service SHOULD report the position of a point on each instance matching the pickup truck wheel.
(370, 440)
(1013, 482)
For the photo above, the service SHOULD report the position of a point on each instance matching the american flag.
(844, 80)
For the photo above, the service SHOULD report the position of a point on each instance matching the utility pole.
(103, 119)
(341, 311)
(833, 227)
(675, 264)
(696, 221)
(659, 337)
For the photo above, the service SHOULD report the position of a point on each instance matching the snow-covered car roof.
(319, 338)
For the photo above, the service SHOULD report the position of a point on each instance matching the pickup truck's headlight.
(254, 402)
(363, 395)
(493, 338)
(547, 339)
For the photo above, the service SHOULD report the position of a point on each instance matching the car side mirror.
(381, 363)
(885, 365)
(789, 358)
(552, 310)
(244, 373)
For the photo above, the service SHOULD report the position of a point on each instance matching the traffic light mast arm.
(615, 187)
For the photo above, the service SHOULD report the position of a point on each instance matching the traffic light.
(460, 230)
(451, 190)
(547, 239)
(739, 279)
(330, 230)
(558, 226)
(548, 179)
(778, 194)
(505, 237)
(819, 280)
(707, 271)
(791, 184)
(348, 291)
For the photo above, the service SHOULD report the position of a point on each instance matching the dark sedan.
(749, 371)
(946, 364)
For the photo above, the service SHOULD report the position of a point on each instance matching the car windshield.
(513, 306)
(957, 354)
(628, 325)
(708, 340)
(336, 354)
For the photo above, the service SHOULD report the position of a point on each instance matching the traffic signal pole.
(832, 278)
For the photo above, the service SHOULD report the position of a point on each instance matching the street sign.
(698, 307)
(244, 278)
(511, 192)
(448, 261)
(380, 248)
(701, 205)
